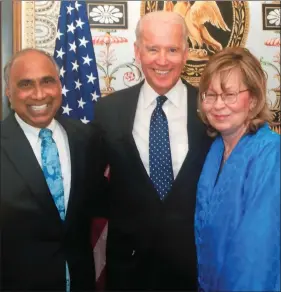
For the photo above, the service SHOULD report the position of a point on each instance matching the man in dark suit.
(155, 146)
(43, 248)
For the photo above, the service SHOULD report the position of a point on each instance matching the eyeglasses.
(227, 97)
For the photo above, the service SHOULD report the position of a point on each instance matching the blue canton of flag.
(74, 53)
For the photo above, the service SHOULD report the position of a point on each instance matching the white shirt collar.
(174, 94)
(31, 131)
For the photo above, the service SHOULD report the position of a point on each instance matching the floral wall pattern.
(108, 66)
(113, 24)
(271, 15)
(108, 15)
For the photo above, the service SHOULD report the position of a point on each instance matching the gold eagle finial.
(196, 16)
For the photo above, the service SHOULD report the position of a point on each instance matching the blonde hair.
(253, 77)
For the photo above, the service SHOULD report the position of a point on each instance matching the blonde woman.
(237, 220)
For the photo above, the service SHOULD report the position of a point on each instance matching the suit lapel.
(195, 128)
(129, 107)
(127, 121)
(20, 152)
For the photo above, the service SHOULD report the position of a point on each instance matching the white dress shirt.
(60, 137)
(175, 109)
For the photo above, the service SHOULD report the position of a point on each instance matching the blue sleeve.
(252, 260)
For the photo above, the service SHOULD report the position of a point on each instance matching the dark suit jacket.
(35, 243)
(150, 243)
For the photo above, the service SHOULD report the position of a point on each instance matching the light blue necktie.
(160, 160)
(52, 171)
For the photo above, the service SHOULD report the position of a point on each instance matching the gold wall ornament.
(29, 25)
(149, 7)
(23, 27)
(17, 26)
(222, 24)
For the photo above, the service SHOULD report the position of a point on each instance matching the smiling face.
(162, 53)
(34, 88)
(228, 119)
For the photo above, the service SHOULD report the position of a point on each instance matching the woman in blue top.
(237, 219)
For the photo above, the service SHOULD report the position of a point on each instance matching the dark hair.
(8, 66)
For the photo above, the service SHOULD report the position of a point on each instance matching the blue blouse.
(237, 218)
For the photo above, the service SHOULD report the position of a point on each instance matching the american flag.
(74, 53)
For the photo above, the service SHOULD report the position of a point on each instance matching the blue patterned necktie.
(52, 169)
(52, 172)
(160, 160)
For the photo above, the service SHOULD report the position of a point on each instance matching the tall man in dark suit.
(46, 165)
(155, 146)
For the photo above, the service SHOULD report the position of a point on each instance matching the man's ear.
(7, 92)
(137, 52)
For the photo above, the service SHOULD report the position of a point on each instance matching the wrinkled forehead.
(30, 58)
(161, 26)
(163, 36)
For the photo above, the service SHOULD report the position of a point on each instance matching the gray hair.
(9, 64)
(138, 31)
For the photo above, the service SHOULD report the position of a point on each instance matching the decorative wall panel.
(251, 24)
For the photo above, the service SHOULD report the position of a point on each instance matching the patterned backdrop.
(251, 24)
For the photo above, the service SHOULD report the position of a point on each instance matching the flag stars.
(69, 9)
(75, 66)
(87, 60)
(81, 103)
(66, 109)
(77, 84)
(79, 23)
(64, 90)
(72, 47)
(76, 58)
(84, 120)
(60, 53)
(91, 78)
(62, 71)
(83, 42)
(95, 96)
(70, 28)
(77, 5)
(59, 34)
